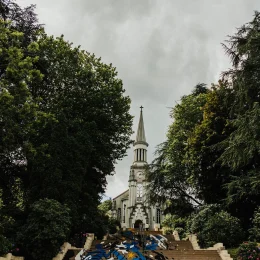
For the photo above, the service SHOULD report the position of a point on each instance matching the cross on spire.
(141, 108)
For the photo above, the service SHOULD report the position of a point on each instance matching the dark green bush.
(213, 225)
(5, 245)
(254, 232)
(47, 228)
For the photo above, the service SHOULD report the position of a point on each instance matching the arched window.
(119, 214)
(124, 213)
(139, 191)
(158, 216)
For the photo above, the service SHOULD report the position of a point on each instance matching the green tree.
(92, 128)
(169, 174)
(64, 120)
(213, 225)
(46, 229)
(105, 206)
(19, 113)
(241, 147)
(207, 174)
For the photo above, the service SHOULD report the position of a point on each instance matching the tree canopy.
(211, 152)
(64, 122)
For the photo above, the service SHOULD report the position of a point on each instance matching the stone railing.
(87, 245)
(223, 253)
(64, 249)
(9, 256)
(89, 241)
(176, 235)
(194, 241)
(67, 246)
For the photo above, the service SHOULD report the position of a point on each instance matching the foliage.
(174, 222)
(207, 175)
(5, 245)
(213, 225)
(105, 206)
(92, 128)
(64, 121)
(233, 252)
(255, 229)
(241, 148)
(211, 154)
(20, 121)
(21, 19)
(46, 229)
(168, 173)
(112, 225)
(248, 250)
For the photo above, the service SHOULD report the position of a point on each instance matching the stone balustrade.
(64, 249)
(9, 256)
(223, 253)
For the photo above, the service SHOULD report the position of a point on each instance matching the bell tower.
(137, 171)
(132, 207)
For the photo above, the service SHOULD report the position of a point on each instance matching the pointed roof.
(140, 136)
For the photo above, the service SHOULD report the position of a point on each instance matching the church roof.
(121, 194)
(140, 136)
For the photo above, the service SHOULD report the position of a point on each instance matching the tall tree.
(169, 173)
(241, 148)
(92, 128)
(64, 120)
(207, 175)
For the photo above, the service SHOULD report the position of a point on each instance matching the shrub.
(254, 232)
(5, 245)
(213, 225)
(174, 222)
(47, 228)
(112, 225)
(248, 250)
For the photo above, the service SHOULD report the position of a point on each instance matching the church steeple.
(140, 136)
(140, 144)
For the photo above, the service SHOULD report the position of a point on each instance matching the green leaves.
(47, 227)
(242, 147)
(254, 231)
(64, 121)
(169, 174)
(213, 225)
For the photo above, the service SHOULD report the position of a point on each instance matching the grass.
(233, 252)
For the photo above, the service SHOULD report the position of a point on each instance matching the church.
(131, 208)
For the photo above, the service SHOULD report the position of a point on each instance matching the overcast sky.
(161, 49)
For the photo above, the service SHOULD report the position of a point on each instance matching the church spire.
(140, 136)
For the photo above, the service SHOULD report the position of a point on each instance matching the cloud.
(161, 49)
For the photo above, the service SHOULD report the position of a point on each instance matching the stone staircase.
(191, 254)
(177, 250)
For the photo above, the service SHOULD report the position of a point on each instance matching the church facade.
(131, 207)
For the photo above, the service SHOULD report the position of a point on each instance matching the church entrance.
(137, 223)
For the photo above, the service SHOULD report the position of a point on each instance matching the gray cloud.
(161, 49)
